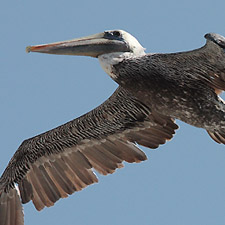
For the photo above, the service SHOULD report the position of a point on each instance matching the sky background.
(182, 182)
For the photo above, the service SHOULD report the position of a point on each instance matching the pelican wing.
(59, 162)
(206, 64)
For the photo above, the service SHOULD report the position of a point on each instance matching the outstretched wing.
(206, 64)
(59, 162)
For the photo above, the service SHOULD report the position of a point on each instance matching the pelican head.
(110, 47)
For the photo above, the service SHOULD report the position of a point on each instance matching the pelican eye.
(113, 35)
(116, 33)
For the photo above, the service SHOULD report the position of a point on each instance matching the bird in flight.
(154, 90)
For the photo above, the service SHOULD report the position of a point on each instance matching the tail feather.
(11, 211)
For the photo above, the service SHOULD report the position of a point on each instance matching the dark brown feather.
(26, 192)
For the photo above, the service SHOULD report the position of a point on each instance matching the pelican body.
(154, 90)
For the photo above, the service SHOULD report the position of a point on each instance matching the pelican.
(154, 90)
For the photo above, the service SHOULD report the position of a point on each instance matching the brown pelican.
(154, 90)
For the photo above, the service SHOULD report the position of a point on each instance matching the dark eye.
(116, 33)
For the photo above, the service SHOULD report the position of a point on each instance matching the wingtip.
(216, 38)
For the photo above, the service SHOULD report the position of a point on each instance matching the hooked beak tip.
(37, 48)
(28, 49)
